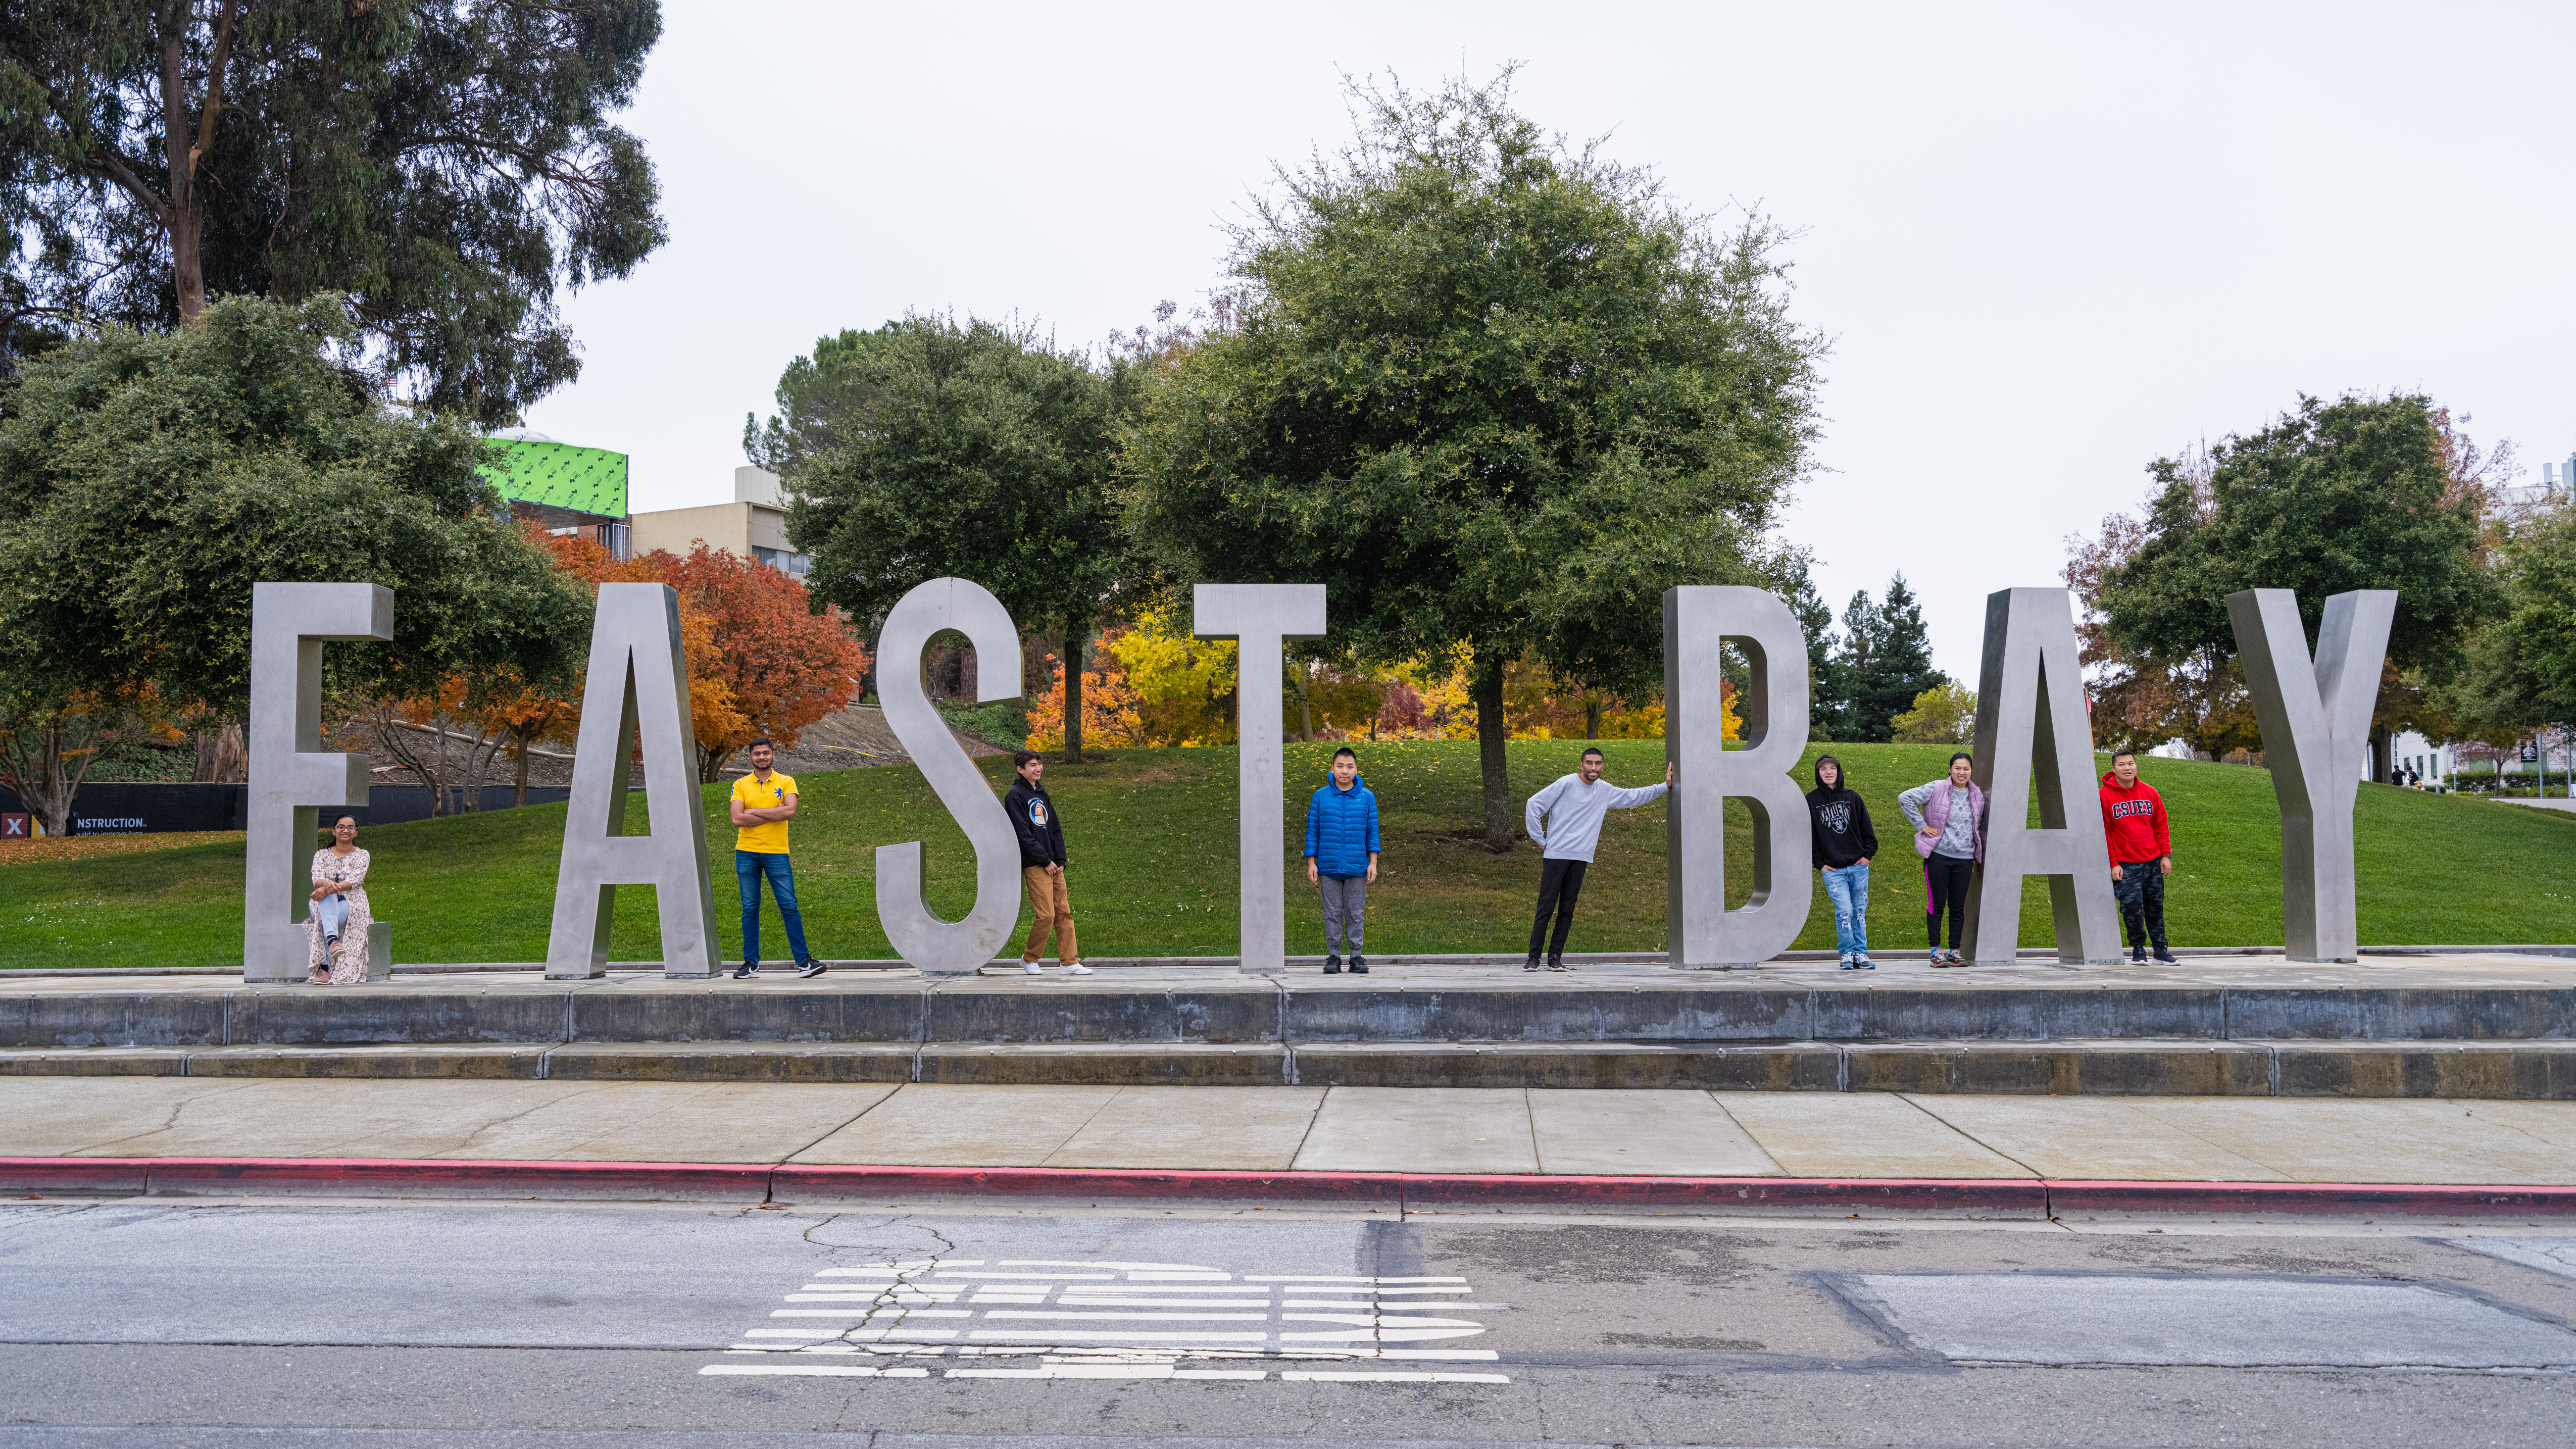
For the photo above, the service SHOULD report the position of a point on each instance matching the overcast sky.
(2048, 243)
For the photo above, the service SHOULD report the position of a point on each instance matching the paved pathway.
(1645, 1133)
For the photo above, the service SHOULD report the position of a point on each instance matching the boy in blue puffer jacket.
(1341, 858)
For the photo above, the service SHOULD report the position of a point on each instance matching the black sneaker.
(2137, 955)
(1359, 963)
(1557, 963)
(1532, 963)
(811, 967)
(2165, 957)
(748, 970)
(1332, 965)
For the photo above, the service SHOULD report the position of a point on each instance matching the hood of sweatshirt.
(1842, 780)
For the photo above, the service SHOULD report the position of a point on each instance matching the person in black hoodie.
(1033, 819)
(1843, 844)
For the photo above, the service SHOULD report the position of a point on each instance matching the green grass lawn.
(1151, 834)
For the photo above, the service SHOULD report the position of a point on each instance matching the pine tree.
(1883, 662)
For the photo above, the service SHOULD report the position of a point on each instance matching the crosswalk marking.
(1105, 1320)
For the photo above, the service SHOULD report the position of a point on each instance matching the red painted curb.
(797, 1182)
(90, 1174)
(739, 1181)
(2342, 1199)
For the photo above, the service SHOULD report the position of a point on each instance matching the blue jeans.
(1848, 888)
(748, 867)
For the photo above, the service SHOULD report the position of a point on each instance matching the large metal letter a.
(933, 946)
(1705, 935)
(2316, 726)
(1259, 617)
(288, 623)
(2033, 732)
(638, 682)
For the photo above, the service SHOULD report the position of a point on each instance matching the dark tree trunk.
(1491, 735)
(1075, 638)
(1593, 704)
(519, 782)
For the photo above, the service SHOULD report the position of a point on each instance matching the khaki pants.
(1051, 901)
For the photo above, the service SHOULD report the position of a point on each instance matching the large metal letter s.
(2316, 726)
(935, 946)
(1704, 933)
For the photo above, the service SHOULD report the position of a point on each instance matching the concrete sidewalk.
(1303, 1130)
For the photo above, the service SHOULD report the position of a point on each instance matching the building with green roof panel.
(563, 488)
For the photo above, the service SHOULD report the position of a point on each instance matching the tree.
(2199, 696)
(148, 480)
(49, 741)
(2519, 671)
(1816, 620)
(1944, 714)
(926, 449)
(1882, 664)
(2360, 493)
(1491, 391)
(783, 664)
(444, 164)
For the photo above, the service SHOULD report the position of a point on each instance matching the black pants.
(1559, 882)
(1945, 883)
(2141, 893)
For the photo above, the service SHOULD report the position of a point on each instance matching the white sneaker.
(1073, 968)
(1033, 968)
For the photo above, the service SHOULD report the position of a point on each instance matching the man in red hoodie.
(2133, 817)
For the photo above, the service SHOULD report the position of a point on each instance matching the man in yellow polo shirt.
(763, 802)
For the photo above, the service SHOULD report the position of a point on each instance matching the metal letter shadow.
(937, 947)
(2316, 727)
(2032, 729)
(637, 681)
(289, 772)
(1697, 619)
(1260, 617)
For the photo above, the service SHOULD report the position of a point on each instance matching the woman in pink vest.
(1949, 819)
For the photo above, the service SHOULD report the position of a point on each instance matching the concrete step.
(2506, 1071)
(1638, 1007)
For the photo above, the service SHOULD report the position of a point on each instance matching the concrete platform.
(2489, 1026)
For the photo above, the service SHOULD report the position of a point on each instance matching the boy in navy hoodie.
(1041, 833)
(1341, 858)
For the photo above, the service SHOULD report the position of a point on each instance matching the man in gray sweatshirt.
(1572, 810)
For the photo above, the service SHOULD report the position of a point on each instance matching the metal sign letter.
(2033, 731)
(289, 773)
(1260, 617)
(638, 682)
(2316, 730)
(938, 947)
(1704, 934)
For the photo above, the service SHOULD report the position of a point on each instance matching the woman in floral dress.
(340, 869)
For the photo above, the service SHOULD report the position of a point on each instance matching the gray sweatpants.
(1345, 912)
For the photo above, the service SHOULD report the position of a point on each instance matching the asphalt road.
(153, 1325)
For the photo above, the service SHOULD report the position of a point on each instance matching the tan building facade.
(753, 526)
